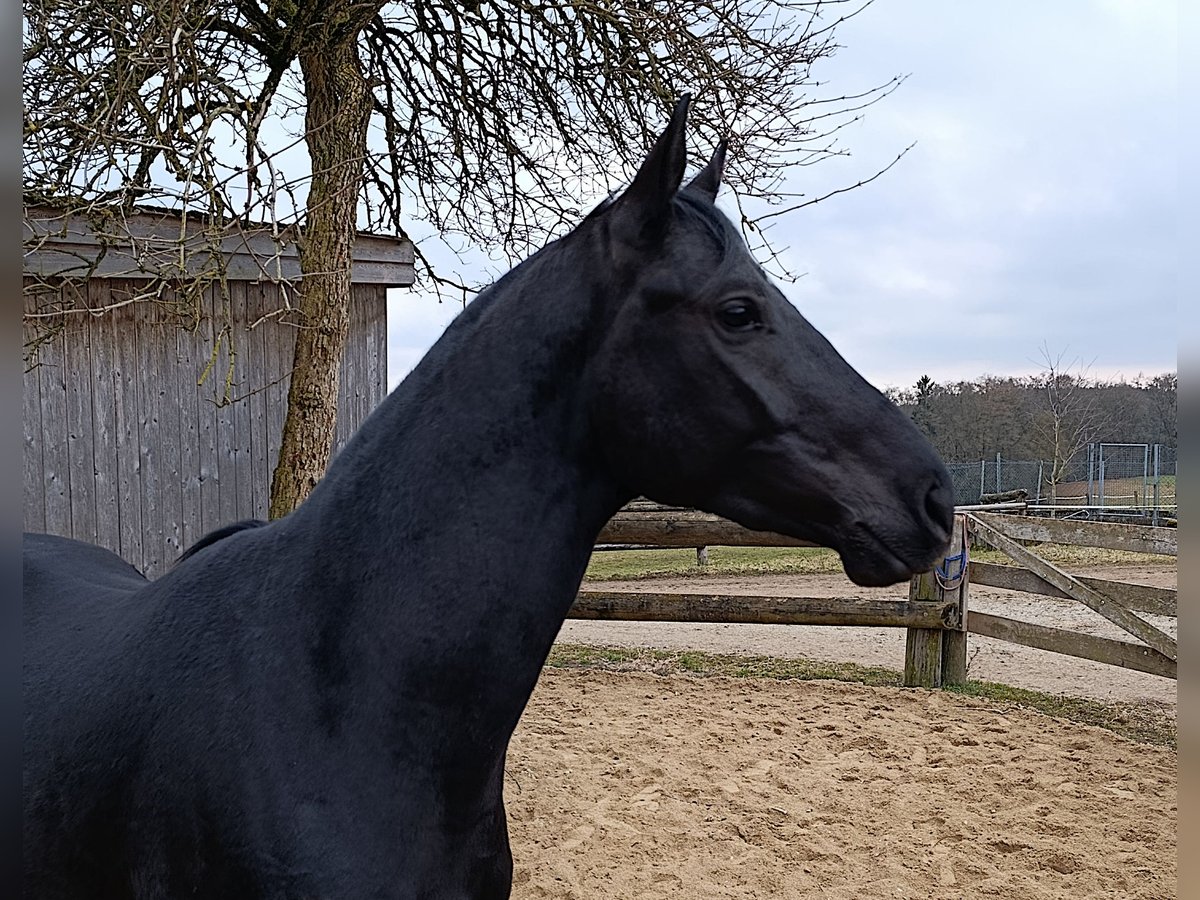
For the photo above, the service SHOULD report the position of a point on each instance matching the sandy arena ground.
(637, 786)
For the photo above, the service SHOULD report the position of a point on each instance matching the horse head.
(710, 389)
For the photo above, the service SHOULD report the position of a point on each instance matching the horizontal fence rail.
(1073, 643)
(1106, 536)
(646, 525)
(935, 614)
(1140, 597)
(666, 527)
(636, 606)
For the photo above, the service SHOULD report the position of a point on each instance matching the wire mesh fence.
(1134, 477)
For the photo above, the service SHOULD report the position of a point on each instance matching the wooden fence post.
(954, 658)
(938, 657)
(954, 640)
(923, 649)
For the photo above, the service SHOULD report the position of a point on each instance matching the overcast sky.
(1039, 207)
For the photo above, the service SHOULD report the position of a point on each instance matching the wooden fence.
(1154, 651)
(936, 612)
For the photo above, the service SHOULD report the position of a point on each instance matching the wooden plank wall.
(124, 448)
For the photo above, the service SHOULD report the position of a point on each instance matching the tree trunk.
(339, 109)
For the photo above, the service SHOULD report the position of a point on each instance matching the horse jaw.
(781, 486)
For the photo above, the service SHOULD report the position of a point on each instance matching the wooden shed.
(151, 417)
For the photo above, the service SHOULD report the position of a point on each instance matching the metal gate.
(1131, 476)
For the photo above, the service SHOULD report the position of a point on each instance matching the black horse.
(320, 707)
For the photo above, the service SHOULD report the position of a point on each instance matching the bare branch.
(756, 222)
(497, 121)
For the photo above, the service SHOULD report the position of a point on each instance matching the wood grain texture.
(639, 606)
(128, 440)
(104, 416)
(68, 244)
(1072, 643)
(1106, 535)
(32, 472)
(686, 528)
(125, 448)
(52, 387)
(1140, 597)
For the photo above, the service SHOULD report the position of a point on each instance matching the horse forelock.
(700, 211)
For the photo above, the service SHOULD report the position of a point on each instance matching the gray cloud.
(1039, 206)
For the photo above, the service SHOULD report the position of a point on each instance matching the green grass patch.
(632, 564)
(697, 662)
(1144, 723)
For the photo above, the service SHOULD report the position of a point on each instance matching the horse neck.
(450, 536)
(492, 416)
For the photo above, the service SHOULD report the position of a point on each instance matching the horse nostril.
(939, 510)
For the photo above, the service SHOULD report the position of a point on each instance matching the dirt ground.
(630, 785)
(990, 660)
(638, 786)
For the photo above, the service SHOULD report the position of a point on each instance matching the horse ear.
(643, 212)
(708, 182)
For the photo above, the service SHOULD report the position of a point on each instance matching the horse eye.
(739, 315)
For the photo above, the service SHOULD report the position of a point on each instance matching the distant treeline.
(1047, 417)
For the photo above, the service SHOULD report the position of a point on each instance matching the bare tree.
(1163, 394)
(1070, 417)
(486, 122)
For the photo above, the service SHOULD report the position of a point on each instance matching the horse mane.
(213, 536)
